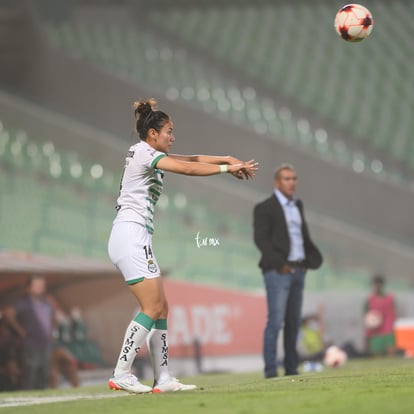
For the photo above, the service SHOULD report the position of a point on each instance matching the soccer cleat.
(172, 386)
(129, 383)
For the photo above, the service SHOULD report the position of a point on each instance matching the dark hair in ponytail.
(147, 117)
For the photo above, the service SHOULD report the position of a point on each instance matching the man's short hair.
(282, 167)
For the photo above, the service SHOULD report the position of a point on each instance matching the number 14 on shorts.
(148, 252)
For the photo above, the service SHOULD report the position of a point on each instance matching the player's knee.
(155, 311)
(163, 310)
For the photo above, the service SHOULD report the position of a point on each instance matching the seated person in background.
(379, 318)
(312, 338)
(63, 363)
(86, 351)
(313, 345)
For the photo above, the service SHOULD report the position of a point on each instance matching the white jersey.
(141, 186)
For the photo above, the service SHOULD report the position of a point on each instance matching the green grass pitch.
(361, 386)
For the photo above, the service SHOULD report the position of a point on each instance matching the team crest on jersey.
(130, 154)
(152, 267)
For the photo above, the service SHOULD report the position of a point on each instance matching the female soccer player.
(130, 242)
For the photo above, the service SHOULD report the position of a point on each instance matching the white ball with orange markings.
(335, 357)
(353, 22)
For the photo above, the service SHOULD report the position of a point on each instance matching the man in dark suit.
(287, 251)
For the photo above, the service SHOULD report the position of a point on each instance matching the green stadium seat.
(185, 78)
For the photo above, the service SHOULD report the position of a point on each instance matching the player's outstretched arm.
(176, 165)
(215, 159)
(207, 159)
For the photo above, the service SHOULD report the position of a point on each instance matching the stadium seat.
(350, 84)
(117, 48)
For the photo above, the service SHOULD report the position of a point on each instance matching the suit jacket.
(272, 237)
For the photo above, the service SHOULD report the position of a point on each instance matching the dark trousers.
(35, 368)
(284, 294)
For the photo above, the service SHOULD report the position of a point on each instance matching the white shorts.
(130, 250)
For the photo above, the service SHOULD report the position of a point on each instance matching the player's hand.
(241, 174)
(244, 170)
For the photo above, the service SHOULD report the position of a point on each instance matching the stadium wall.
(217, 318)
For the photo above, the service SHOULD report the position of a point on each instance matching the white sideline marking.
(22, 401)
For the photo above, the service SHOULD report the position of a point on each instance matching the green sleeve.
(156, 159)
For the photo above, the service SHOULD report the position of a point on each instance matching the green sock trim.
(144, 320)
(160, 324)
(135, 281)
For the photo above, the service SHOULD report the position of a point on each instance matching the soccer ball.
(335, 357)
(372, 319)
(354, 22)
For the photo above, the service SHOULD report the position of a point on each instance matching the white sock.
(158, 348)
(135, 336)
